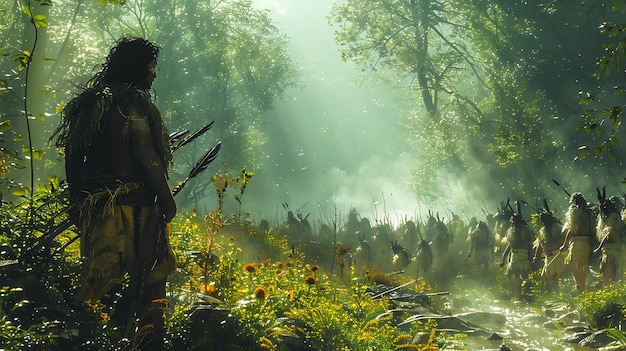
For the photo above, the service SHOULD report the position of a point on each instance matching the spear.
(177, 136)
(392, 290)
(200, 166)
(184, 140)
(562, 188)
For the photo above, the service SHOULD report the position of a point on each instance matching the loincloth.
(519, 264)
(110, 245)
(554, 265)
(482, 256)
(612, 254)
(578, 254)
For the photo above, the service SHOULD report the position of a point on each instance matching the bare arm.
(149, 165)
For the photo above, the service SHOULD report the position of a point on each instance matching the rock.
(481, 318)
(553, 325)
(596, 340)
(503, 347)
(575, 329)
(569, 318)
(576, 337)
(292, 342)
(495, 336)
(397, 314)
(449, 323)
(207, 319)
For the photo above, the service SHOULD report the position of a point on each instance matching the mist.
(335, 140)
(339, 139)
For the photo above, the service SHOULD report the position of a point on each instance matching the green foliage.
(491, 75)
(39, 263)
(618, 336)
(239, 66)
(35, 238)
(605, 308)
(112, 2)
(272, 290)
(478, 104)
(603, 117)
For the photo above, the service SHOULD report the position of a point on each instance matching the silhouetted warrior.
(548, 243)
(578, 230)
(481, 245)
(501, 224)
(117, 154)
(610, 232)
(517, 253)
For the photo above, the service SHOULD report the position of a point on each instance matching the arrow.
(200, 166)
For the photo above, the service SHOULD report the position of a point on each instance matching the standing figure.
(401, 257)
(441, 239)
(501, 224)
(520, 239)
(549, 240)
(481, 245)
(610, 233)
(117, 155)
(578, 230)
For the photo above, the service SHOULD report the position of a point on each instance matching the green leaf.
(54, 181)
(38, 154)
(41, 117)
(5, 125)
(22, 191)
(27, 10)
(18, 137)
(40, 21)
(59, 107)
(597, 150)
(24, 59)
(617, 6)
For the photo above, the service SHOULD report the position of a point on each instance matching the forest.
(496, 102)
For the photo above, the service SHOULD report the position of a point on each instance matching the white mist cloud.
(378, 188)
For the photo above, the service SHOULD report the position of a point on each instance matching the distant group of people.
(588, 230)
(588, 234)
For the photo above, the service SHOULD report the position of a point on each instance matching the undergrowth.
(263, 292)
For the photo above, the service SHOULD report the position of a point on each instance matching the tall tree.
(480, 70)
(221, 60)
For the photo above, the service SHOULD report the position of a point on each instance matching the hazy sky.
(335, 142)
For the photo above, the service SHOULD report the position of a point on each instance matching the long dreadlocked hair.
(121, 80)
(126, 63)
